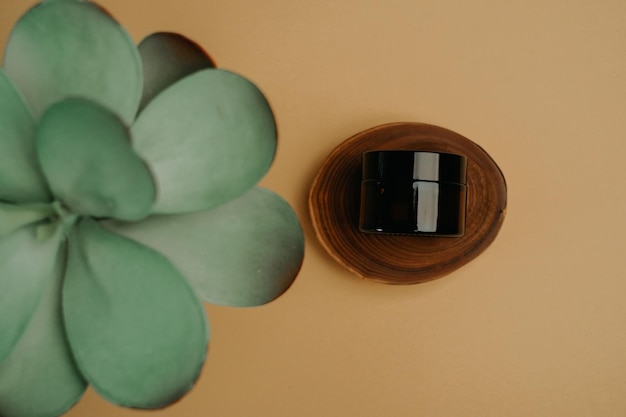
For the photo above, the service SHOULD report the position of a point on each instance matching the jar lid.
(414, 165)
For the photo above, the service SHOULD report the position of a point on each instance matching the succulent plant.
(128, 196)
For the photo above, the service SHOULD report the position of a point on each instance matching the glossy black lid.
(414, 165)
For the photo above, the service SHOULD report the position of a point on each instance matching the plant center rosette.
(127, 198)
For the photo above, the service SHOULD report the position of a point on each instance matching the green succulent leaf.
(168, 57)
(86, 154)
(39, 377)
(243, 253)
(71, 48)
(208, 138)
(13, 217)
(26, 266)
(137, 330)
(21, 180)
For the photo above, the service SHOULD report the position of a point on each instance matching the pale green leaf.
(39, 377)
(168, 57)
(244, 253)
(21, 180)
(71, 48)
(208, 138)
(27, 264)
(137, 329)
(86, 154)
(13, 217)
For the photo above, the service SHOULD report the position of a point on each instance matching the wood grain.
(393, 259)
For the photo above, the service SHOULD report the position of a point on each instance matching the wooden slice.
(393, 259)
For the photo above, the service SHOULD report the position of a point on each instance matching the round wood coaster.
(394, 259)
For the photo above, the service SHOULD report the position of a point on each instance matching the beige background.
(533, 327)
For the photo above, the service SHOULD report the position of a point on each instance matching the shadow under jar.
(413, 192)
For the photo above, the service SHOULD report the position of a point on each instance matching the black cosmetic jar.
(413, 192)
